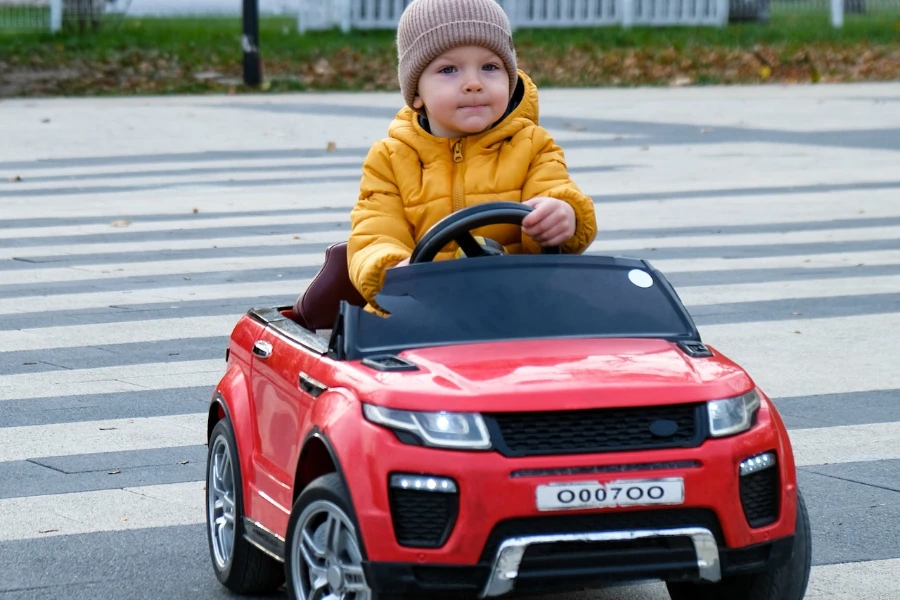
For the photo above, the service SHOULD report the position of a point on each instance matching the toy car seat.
(317, 307)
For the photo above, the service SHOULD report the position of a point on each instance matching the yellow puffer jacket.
(412, 179)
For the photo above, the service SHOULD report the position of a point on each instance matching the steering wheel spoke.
(470, 245)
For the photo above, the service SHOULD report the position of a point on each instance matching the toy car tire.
(324, 512)
(239, 565)
(787, 582)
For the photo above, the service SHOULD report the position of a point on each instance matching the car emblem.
(663, 428)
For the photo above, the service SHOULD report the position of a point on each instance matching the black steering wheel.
(457, 227)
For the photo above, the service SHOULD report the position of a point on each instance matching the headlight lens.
(439, 429)
(733, 415)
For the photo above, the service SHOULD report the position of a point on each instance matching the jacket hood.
(406, 127)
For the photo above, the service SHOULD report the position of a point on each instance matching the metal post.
(627, 15)
(723, 12)
(250, 44)
(56, 10)
(837, 13)
(302, 17)
(346, 15)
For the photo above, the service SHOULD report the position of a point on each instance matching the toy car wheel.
(787, 582)
(324, 554)
(240, 566)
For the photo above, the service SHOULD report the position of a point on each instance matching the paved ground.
(142, 228)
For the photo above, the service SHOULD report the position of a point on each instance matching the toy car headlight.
(733, 415)
(440, 429)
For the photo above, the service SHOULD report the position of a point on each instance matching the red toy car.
(517, 425)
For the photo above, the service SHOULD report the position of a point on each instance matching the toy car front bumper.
(503, 577)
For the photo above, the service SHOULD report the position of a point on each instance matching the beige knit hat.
(428, 28)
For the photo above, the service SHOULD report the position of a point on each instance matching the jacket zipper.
(459, 177)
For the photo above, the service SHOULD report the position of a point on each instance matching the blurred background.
(82, 47)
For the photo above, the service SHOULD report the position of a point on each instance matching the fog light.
(430, 483)
(758, 463)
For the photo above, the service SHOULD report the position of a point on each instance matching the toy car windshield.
(517, 297)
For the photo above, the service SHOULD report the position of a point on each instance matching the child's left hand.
(551, 223)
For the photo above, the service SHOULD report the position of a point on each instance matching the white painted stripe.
(846, 443)
(108, 380)
(326, 237)
(106, 510)
(798, 261)
(749, 239)
(869, 580)
(176, 167)
(290, 288)
(169, 225)
(814, 356)
(127, 332)
(158, 268)
(94, 437)
(783, 290)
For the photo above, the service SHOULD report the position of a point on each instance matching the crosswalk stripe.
(800, 261)
(88, 300)
(328, 237)
(53, 231)
(107, 380)
(846, 443)
(93, 437)
(806, 357)
(867, 580)
(156, 268)
(127, 332)
(108, 510)
(784, 290)
(755, 239)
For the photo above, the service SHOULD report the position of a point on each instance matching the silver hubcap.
(220, 501)
(326, 561)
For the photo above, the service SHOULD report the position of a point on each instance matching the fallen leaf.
(765, 72)
(47, 530)
(116, 472)
(331, 147)
(196, 210)
(797, 331)
(120, 223)
(15, 178)
(296, 237)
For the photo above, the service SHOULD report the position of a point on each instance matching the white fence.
(385, 14)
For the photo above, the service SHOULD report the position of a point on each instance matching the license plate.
(593, 494)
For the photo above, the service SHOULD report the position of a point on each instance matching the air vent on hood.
(695, 349)
(389, 362)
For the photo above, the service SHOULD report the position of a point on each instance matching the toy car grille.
(603, 430)
(598, 522)
(423, 519)
(760, 495)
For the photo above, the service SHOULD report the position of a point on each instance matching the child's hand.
(551, 223)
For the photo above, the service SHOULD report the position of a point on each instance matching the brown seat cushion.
(317, 307)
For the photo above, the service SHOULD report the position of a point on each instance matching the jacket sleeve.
(380, 235)
(549, 176)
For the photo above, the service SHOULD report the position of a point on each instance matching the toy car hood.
(551, 375)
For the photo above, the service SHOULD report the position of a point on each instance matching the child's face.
(464, 91)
